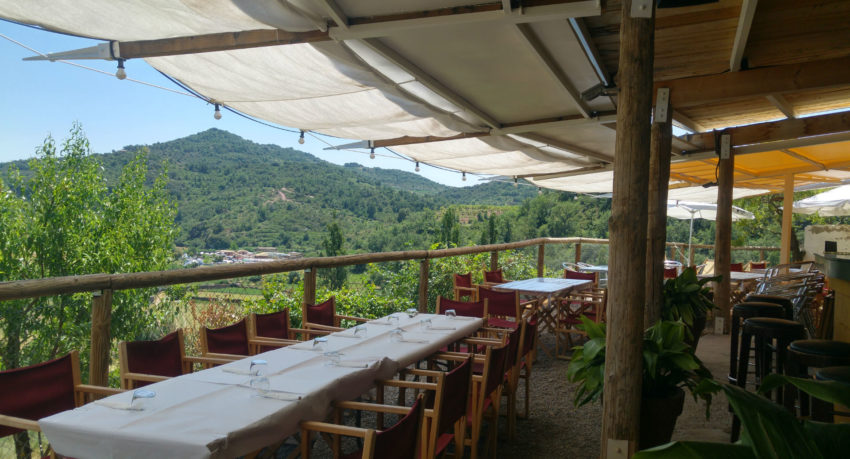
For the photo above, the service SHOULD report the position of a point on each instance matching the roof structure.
(515, 88)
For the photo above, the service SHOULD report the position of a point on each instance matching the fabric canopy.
(832, 203)
(685, 210)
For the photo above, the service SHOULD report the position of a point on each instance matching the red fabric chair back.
(530, 333)
(513, 347)
(159, 357)
(273, 325)
(581, 276)
(232, 339)
(670, 273)
(501, 304)
(736, 267)
(399, 441)
(754, 265)
(463, 280)
(462, 308)
(37, 391)
(498, 358)
(494, 276)
(455, 396)
(322, 313)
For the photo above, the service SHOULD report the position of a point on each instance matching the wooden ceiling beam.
(742, 33)
(760, 82)
(333, 11)
(805, 158)
(581, 151)
(216, 42)
(777, 130)
(682, 121)
(782, 105)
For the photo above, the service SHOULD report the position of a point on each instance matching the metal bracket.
(725, 146)
(662, 99)
(642, 8)
(617, 449)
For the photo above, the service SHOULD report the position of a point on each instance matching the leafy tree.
(449, 230)
(333, 246)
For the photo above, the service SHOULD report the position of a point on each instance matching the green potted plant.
(687, 298)
(669, 365)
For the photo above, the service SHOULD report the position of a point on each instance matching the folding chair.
(462, 286)
(323, 316)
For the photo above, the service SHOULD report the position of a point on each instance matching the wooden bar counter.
(837, 269)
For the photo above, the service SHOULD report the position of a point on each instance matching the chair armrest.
(456, 356)
(356, 319)
(25, 424)
(309, 332)
(362, 406)
(100, 390)
(407, 384)
(327, 328)
(207, 359)
(277, 342)
(144, 377)
(483, 341)
(336, 429)
(226, 357)
(420, 372)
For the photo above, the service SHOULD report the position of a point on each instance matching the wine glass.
(411, 312)
(393, 320)
(451, 313)
(360, 331)
(319, 343)
(396, 335)
(332, 358)
(141, 394)
(259, 382)
(425, 324)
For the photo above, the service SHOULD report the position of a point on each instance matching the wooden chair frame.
(587, 300)
(254, 344)
(459, 292)
(314, 328)
(440, 310)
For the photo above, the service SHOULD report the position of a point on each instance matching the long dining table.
(215, 412)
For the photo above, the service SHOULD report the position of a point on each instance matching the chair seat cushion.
(821, 347)
(772, 325)
(840, 374)
(758, 309)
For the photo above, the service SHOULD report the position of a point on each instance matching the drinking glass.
(320, 343)
(393, 320)
(451, 313)
(332, 358)
(396, 335)
(411, 312)
(141, 394)
(360, 331)
(425, 324)
(259, 382)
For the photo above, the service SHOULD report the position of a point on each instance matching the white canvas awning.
(832, 203)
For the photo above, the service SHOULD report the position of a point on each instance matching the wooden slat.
(782, 105)
(216, 42)
(656, 231)
(742, 33)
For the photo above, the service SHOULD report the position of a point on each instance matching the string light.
(372, 154)
(516, 183)
(301, 138)
(217, 114)
(120, 73)
(539, 190)
(463, 177)
(417, 166)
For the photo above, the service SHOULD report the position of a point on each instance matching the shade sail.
(685, 210)
(832, 203)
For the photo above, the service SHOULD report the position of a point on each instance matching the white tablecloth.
(212, 413)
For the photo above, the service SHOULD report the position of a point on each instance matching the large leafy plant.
(668, 363)
(687, 297)
(768, 430)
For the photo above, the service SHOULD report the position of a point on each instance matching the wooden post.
(423, 285)
(541, 258)
(761, 255)
(309, 288)
(494, 260)
(101, 317)
(787, 212)
(723, 238)
(578, 252)
(627, 229)
(656, 230)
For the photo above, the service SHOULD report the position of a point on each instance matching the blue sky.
(44, 98)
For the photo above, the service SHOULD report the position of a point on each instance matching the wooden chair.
(234, 341)
(671, 273)
(593, 277)
(145, 362)
(447, 399)
(590, 303)
(30, 393)
(756, 265)
(736, 267)
(527, 355)
(463, 308)
(502, 307)
(463, 287)
(275, 326)
(401, 441)
(494, 277)
(486, 398)
(323, 316)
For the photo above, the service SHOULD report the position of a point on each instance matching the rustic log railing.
(102, 285)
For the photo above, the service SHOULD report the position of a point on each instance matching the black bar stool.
(764, 331)
(741, 312)
(786, 303)
(821, 410)
(813, 353)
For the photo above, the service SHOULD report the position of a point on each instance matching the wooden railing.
(102, 285)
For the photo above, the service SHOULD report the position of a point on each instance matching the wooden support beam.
(570, 148)
(552, 67)
(578, 253)
(309, 290)
(656, 231)
(782, 105)
(760, 82)
(805, 158)
(541, 259)
(777, 130)
(423, 285)
(334, 12)
(101, 342)
(627, 227)
(745, 21)
(224, 41)
(723, 238)
(771, 146)
(494, 260)
(683, 122)
(787, 213)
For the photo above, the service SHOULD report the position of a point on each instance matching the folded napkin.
(380, 322)
(118, 405)
(278, 395)
(236, 371)
(306, 348)
(341, 335)
(352, 364)
(414, 340)
(441, 327)
(464, 318)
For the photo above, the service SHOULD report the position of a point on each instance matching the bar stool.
(764, 331)
(813, 353)
(741, 312)
(786, 303)
(823, 411)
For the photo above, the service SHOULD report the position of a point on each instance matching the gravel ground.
(557, 429)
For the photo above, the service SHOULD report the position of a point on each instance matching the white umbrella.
(832, 203)
(684, 210)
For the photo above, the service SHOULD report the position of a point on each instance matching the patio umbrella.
(684, 210)
(832, 203)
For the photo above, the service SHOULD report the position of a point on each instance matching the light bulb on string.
(372, 154)
(463, 176)
(120, 73)
(539, 190)
(417, 166)
(217, 114)
(301, 138)
(516, 183)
